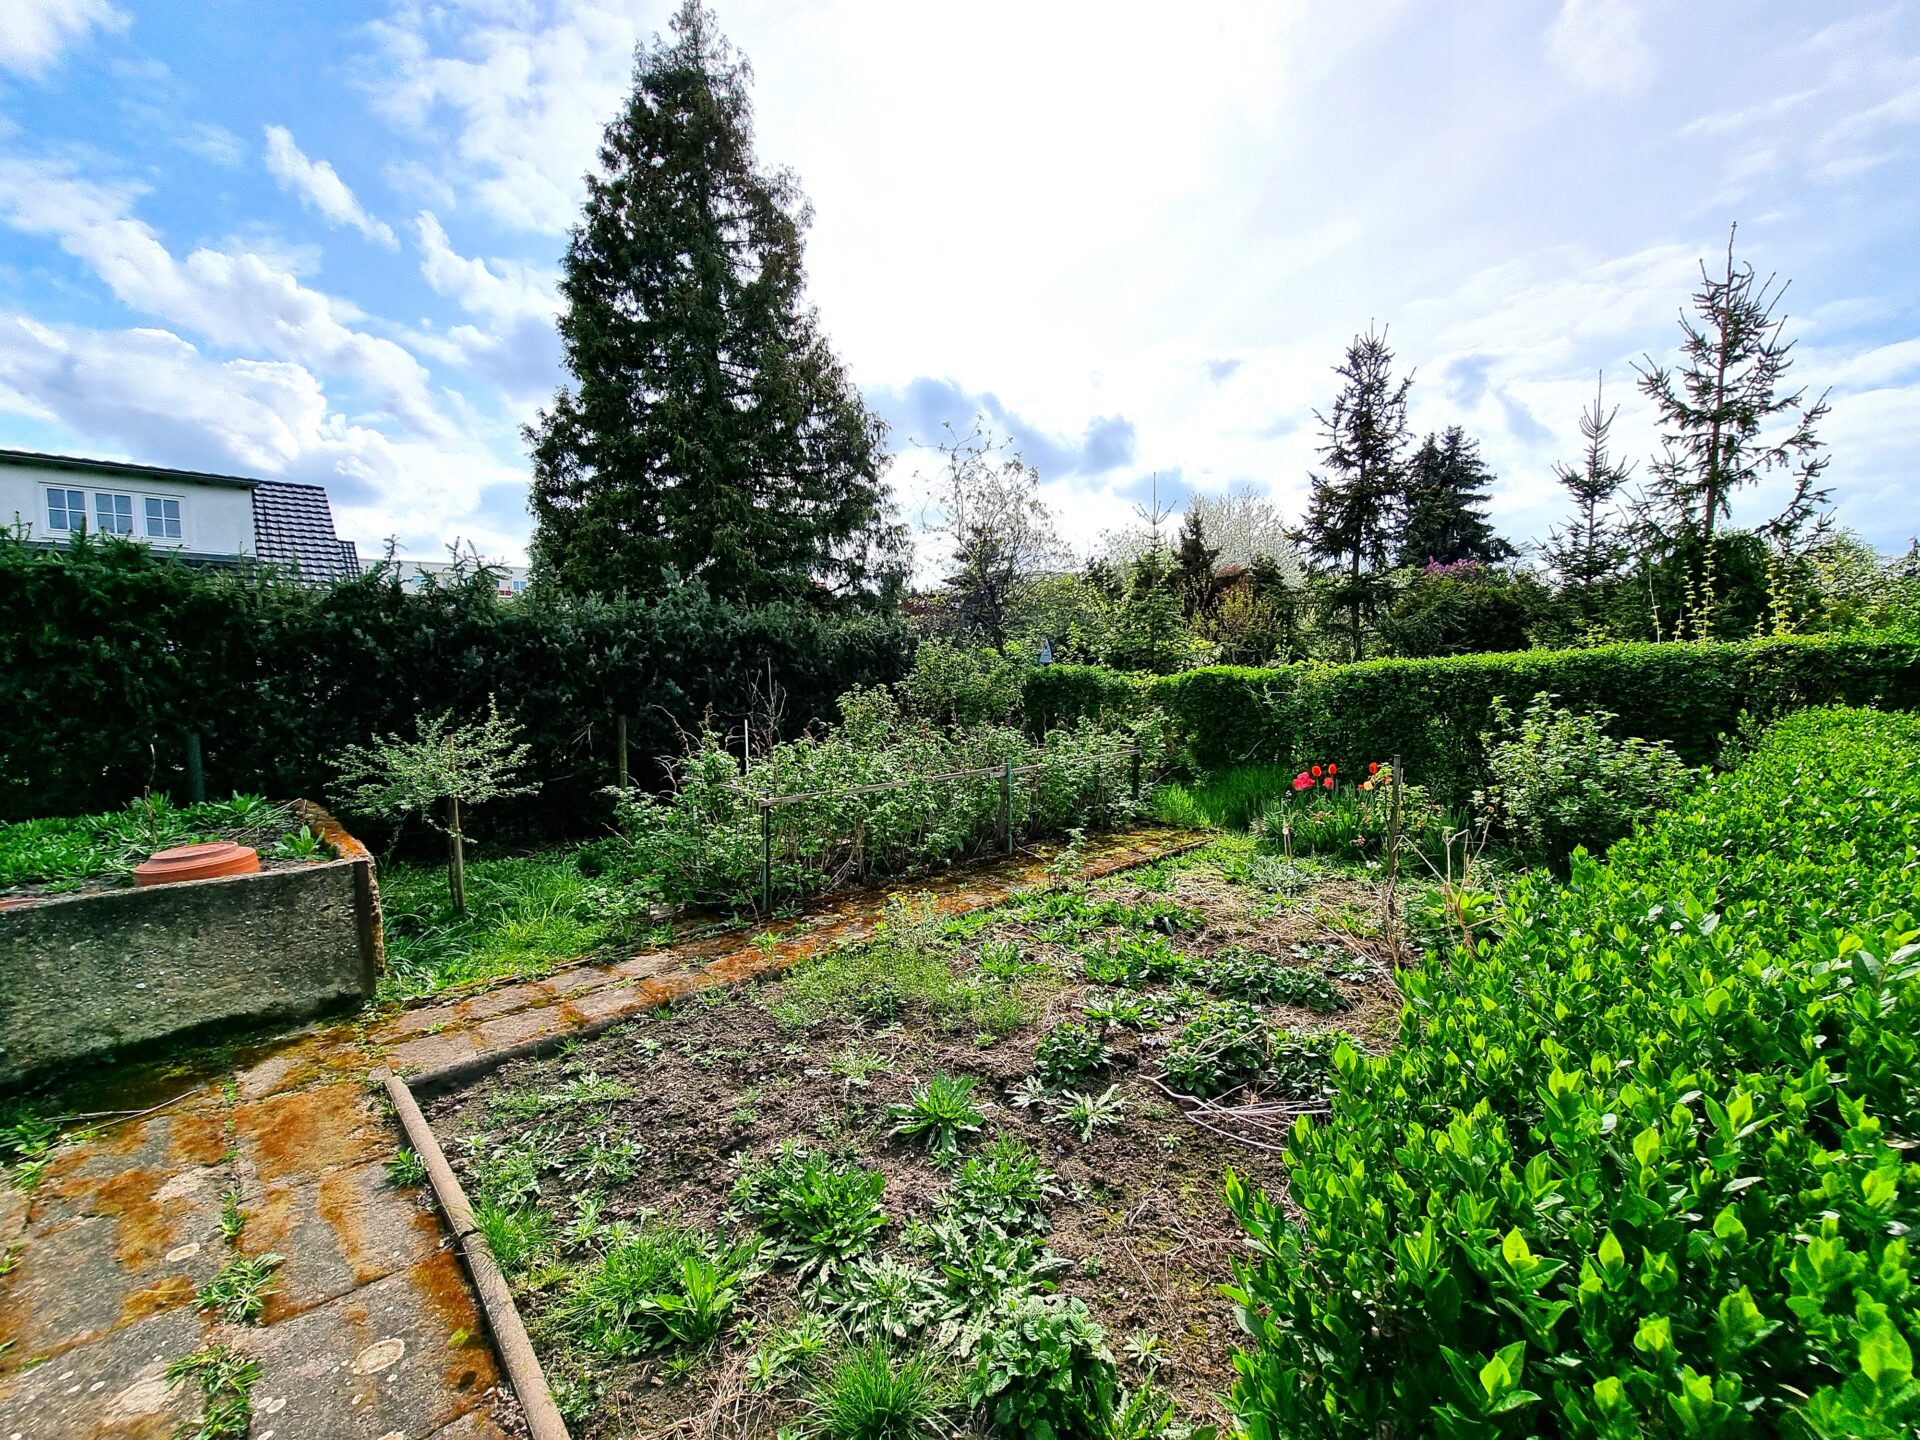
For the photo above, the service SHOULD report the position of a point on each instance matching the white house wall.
(214, 519)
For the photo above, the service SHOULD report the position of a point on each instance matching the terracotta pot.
(197, 862)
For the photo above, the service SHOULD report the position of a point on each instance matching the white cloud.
(34, 32)
(234, 298)
(319, 185)
(1597, 44)
(500, 289)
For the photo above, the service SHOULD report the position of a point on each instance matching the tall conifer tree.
(1446, 503)
(1353, 513)
(1590, 550)
(709, 430)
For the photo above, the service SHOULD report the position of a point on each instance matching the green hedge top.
(1433, 712)
(1641, 1165)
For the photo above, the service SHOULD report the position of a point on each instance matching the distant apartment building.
(194, 514)
(512, 579)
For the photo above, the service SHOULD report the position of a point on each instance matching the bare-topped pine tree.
(446, 765)
(1727, 421)
(1590, 550)
(1353, 514)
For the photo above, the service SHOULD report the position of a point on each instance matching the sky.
(319, 241)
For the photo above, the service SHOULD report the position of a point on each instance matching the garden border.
(509, 1330)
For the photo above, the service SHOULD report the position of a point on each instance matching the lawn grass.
(526, 915)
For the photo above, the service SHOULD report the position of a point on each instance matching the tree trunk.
(457, 859)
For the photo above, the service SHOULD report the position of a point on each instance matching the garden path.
(372, 1330)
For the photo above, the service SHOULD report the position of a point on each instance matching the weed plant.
(937, 1114)
(819, 1213)
(240, 1289)
(1070, 1051)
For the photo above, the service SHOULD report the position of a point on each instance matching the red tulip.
(1302, 781)
(1316, 772)
(1333, 769)
(1374, 768)
(1328, 782)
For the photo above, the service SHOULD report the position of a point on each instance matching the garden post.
(766, 857)
(1136, 774)
(196, 770)
(457, 859)
(620, 741)
(1006, 802)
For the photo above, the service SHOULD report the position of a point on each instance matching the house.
(413, 574)
(198, 516)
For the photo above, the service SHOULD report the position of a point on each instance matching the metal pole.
(766, 857)
(1006, 803)
(196, 771)
(620, 739)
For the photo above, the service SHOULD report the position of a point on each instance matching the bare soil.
(722, 1079)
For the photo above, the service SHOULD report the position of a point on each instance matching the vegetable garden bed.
(948, 1176)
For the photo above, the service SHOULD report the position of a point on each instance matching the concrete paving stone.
(417, 1022)
(613, 1000)
(503, 1001)
(517, 1029)
(346, 1229)
(304, 1132)
(645, 967)
(480, 1423)
(111, 1390)
(74, 1284)
(404, 1356)
(430, 1052)
(581, 977)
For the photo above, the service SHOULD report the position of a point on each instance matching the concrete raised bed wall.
(85, 975)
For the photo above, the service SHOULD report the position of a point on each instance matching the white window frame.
(66, 492)
(147, 519)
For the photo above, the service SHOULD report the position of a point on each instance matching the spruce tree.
(1193, 566)
(1446, 500)
(1353, 513)
(1726, 422)
(1589, 552)
(709, 431)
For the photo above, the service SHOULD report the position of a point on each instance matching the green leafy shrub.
(1638, 1166)
(938, 1113)
(820, 1213)
(1432, 713)
(1070, 1051)
(1132, 961)
(1226, 1044)
(1043, 1370)
(1561, 781)
(1083, 1113)
(1004, 1188)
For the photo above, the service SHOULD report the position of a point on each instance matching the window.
(163, 518)
(66, 510)
(113, 514)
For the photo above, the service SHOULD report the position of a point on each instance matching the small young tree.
(1194, 562)
(447, 764)
(1589, 551)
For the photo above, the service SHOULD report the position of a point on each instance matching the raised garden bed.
(96, 972)
(960, 1171)
(85, 854)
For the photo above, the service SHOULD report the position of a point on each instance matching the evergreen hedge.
(1642, 1165)
(1432, 712)
(107, 649)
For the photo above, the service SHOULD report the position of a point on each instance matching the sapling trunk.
(457, 859)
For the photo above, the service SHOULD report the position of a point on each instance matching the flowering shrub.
(1641, 1166)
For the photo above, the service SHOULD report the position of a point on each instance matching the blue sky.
(318, 241)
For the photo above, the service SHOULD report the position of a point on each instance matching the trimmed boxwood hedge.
(1432, 712)
(1643, 1164)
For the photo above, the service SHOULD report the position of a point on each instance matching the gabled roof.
(293, 526)
(124, 468)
